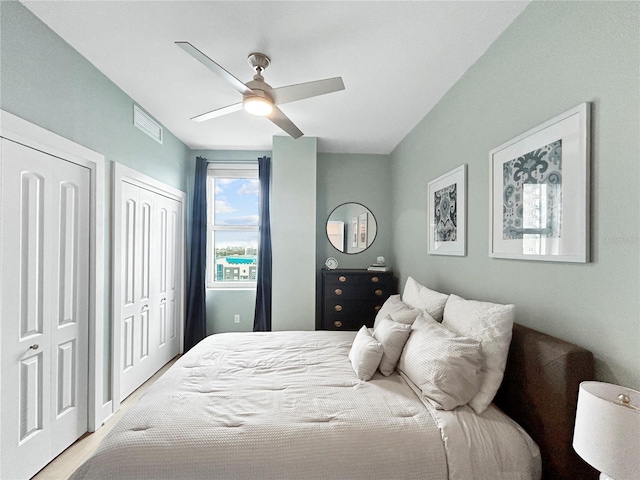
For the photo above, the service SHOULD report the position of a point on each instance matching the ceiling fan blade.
(218, 113)
(301, 91)
(281, 120)
(214, 67)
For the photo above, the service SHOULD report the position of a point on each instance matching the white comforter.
(287, 405)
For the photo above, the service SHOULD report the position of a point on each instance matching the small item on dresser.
(331, 263)
(379, 266)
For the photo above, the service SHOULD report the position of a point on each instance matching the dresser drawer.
(357, 292)
(369, 278)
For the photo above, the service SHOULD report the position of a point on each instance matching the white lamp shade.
(607, 433)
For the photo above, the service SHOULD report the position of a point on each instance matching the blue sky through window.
(236, 201)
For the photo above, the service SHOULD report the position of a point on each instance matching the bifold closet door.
(139, 282)
(45, 307)
(169, 212)
(150, 248)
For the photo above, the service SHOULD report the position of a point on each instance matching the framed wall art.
(539, 191)
(354, 232)
(447, 213)
(362, 237)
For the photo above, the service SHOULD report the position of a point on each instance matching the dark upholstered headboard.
(540, 392)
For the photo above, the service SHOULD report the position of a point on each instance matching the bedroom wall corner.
(554, 56)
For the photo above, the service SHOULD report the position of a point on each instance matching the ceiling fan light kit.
(258, 97)
(258, 106)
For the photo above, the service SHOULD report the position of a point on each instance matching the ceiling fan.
(258, 97)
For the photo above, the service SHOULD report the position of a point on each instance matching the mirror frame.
(369, 243)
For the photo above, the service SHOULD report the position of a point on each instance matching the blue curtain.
(196, 324)
(262, 316)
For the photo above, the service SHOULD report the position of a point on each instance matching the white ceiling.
(397, 60)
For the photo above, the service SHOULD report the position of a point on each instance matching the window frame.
(226, 170)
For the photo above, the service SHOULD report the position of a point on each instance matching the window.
(233, 212)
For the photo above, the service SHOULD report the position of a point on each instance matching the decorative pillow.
(397, 310)
(365, 354)
(393, 336)
(419, 296)
(491, 324)
(446, 367)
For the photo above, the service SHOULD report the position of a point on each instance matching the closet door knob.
(145, 307)
(35, 346)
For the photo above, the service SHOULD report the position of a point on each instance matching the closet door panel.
(131, 307)
(70, 303)
(26, 310)
(171, 251)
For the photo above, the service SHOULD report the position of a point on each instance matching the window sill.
(232, 286)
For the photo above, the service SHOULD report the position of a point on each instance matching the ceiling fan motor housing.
(258, 61)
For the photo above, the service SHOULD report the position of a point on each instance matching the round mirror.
(351, 228)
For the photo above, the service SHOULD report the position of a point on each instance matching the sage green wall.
(555, 56)
(360, 178)
(224, 304)
(293, 232)
(45, 81)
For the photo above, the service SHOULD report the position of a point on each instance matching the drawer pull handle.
(338, 308)
(378, 307)
(375, 279)
(342, 278)
(338, 291)
(378, 292)
(337, 324)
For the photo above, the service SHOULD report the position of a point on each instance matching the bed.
(288, 405)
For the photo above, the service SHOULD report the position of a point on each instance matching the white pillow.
(397, 310)
(419, 296)
(446, 367)
(365, 354)
(393, 336)
(491, 324)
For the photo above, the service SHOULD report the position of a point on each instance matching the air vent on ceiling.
(148, 125)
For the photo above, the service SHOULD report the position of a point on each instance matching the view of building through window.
(233, 227)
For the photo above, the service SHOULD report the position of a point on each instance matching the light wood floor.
(66, 463)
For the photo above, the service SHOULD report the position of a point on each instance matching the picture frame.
(447, 202)
(539, 191)
(362, 230)
(354, 232)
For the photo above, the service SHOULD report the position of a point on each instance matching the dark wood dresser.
(351, 297)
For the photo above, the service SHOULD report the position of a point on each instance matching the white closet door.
(138, 247)
(70, 304)
(150, 283)
(45, 296)
(170, 250)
